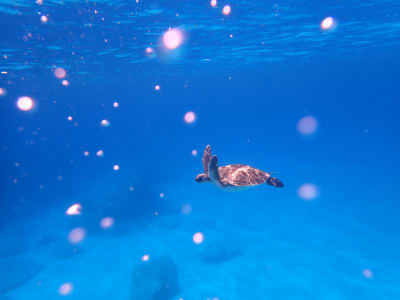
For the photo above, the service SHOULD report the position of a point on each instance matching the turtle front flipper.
(206, 159)
(213, 171)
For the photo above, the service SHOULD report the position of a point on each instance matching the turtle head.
(202, 178)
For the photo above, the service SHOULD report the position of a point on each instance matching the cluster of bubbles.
(307, 126)
(78, 234)
(61, 73)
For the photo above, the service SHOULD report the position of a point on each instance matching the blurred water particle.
(105, 123)
(66, 289)
(213, 3)
(145, 257)
(60, 73)
(367, 273)
(3, 92)
(106, 222)
(150, 53)
(100, 153)
(308, 191)
(186, 209)
(307, 125)
(76, 235)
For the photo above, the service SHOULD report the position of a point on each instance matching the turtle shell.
(242, 175)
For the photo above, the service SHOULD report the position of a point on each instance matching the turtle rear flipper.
(275, 182)
(213, 171)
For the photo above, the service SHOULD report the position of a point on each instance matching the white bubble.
(190, 117)
(226, 10)
(172, 38)
(25, 103)
(198, 238)
(74, 209)
(327, 23)
(44, 19)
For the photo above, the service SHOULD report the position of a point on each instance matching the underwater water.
(107, 107)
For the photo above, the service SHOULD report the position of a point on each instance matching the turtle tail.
(275, 182)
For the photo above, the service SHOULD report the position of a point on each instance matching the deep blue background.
(248, 93)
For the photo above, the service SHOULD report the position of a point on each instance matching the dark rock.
(155, 279)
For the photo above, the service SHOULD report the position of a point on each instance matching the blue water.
(268, 87)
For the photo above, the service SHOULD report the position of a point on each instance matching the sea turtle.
(235, 176)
